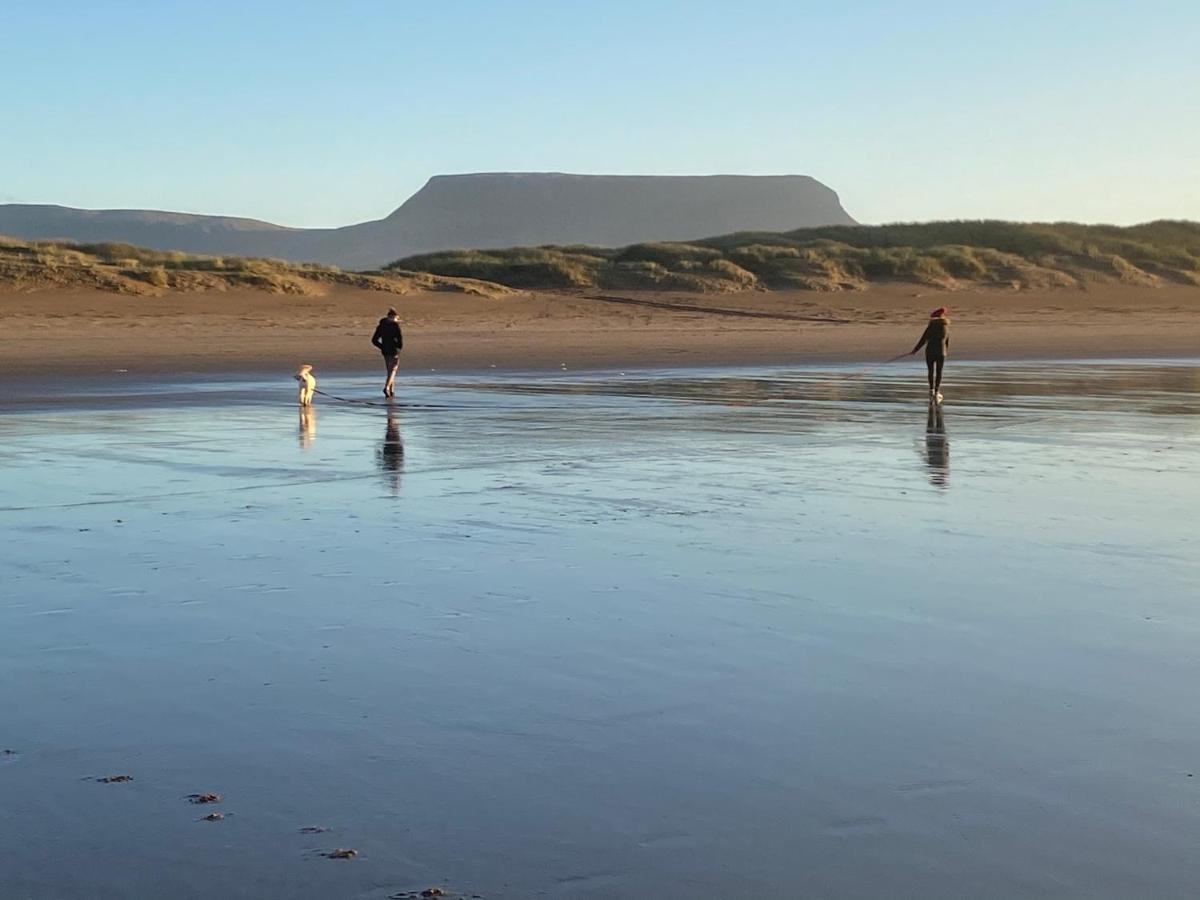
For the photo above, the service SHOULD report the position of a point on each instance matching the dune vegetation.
(844, 257)
(940, 254)
(125, 269)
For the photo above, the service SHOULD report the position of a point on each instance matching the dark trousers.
(934, 366)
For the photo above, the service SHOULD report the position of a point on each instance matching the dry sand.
(63, 332)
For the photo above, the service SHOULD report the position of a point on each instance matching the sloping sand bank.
(64, 332)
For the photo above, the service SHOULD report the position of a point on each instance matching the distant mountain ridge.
(483, 210)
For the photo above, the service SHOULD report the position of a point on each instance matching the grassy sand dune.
(937, 254)
(125, 269)
(946, 255)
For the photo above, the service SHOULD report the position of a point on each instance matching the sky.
(320, 114)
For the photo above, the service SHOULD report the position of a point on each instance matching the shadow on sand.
(390, 455)
(937, 447)
(308, 427)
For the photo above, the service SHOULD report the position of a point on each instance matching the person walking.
(936, 341)
(390, 341)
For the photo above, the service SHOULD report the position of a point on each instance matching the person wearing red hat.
(936, 341)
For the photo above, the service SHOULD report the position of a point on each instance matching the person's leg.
(929, 365)
(937, 380)
(389, 386)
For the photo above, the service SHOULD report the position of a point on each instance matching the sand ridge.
(75, 331)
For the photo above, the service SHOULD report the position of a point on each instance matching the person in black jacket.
(389, 339)
(936, 341)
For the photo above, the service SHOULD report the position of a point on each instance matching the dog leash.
(351, 400)
(871, 368)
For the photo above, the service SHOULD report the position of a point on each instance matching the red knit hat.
(938, 313)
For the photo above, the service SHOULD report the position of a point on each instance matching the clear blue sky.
(329, 113)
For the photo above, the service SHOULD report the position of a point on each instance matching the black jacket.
(388, 337)
(936, 339)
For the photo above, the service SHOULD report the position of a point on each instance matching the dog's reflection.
(308, 427)
(390, 454)
(937, 447)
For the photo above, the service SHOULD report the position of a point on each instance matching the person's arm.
(921, 342)
(377, 337)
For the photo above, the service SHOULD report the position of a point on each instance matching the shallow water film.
(742, 633)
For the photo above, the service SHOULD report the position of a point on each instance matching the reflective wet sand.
(742, 633)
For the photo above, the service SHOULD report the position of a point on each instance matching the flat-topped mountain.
(470, 211)
(510, 210)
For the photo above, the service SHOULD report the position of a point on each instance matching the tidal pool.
(735, 633)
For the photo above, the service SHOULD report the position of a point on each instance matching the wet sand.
(79, 336)
(745, 632)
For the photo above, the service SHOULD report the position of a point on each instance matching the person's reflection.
(937, 448)
(308, 426)
(390, 454)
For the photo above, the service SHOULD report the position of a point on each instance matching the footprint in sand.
(856, 825)
(933, 786)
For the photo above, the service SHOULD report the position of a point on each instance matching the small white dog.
(308, 384)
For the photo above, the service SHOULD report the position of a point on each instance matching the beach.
(90, 334)
(538, 451)
(679, 633)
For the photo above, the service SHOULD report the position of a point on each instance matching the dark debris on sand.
(313, 829)
(341, 853)
(204, 798)
(213, 817)
(115, 779)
